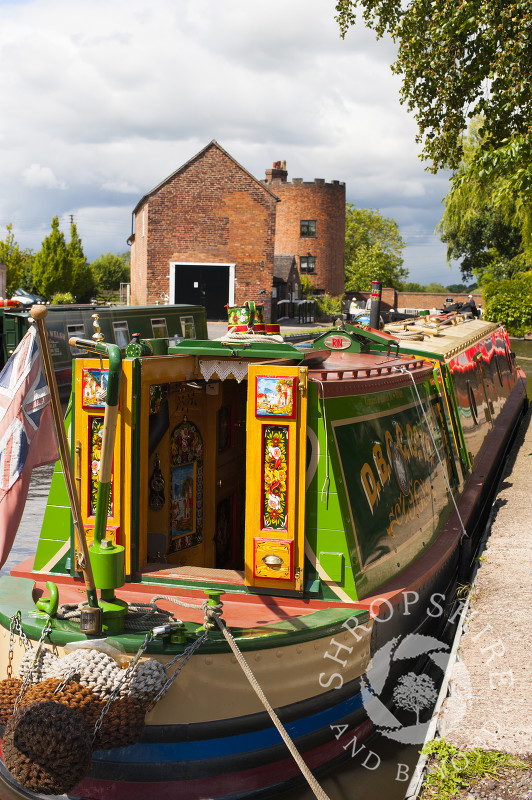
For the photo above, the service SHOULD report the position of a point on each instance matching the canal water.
(385, 774)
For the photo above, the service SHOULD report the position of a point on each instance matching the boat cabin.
(263, 467)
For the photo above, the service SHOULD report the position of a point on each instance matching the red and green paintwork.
(328, 477)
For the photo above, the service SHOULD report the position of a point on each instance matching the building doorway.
(208, 285)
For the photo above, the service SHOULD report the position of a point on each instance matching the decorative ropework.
(274, 477)
(186, 506)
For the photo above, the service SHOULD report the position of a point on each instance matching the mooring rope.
(294, 752)
(249, 336)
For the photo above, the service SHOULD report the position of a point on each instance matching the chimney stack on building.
(277, 173)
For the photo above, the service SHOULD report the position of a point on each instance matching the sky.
(102, 100)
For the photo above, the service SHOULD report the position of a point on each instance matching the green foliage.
(486, 234)
(308, 286)
(16, 260)
(110, 270)
(510, 302)
(373, 247)
(62, 298)
(437, 288)
(459, 61)
(83, 284)
(328, 305)
(412, 286)
(52, 271)
(448, 53)
(452, 769)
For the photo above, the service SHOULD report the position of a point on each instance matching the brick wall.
(421, 300)
(320, 201)
(210, 211)
(426, 300)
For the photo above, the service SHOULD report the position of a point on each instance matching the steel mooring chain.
(29, 674)
(183, 658)
(124, 678)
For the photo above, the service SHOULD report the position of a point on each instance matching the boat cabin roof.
(439, 338)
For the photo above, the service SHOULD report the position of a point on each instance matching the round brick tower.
(310, 224)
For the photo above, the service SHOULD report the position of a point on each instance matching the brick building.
(311, 224)
(208, 234)
(205, 235)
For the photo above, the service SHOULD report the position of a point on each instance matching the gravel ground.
(511, 784)
(490, 702)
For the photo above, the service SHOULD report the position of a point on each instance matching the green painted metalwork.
(15, 594)
(215, 349)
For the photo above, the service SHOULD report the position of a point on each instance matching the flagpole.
(39, 314)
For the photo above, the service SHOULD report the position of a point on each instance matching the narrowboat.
(288, 513)
(117, 324)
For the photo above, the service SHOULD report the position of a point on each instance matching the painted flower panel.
(275, 477)
(95, 454)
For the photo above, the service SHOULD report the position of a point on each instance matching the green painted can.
(108, 564)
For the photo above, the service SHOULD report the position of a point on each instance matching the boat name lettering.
(406, 508)
(382, 397)
(57, 335)
(413, 443)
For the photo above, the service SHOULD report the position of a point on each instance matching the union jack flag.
(26, 433)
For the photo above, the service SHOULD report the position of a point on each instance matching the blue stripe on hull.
(145, 752)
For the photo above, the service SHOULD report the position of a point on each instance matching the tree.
(373, 247)
(484, 233)
(82, 278)
(510, 303)
(15, 259)
(110, 270)
(457, 61)
(52, 270)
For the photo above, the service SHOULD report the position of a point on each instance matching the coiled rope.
(233, 335)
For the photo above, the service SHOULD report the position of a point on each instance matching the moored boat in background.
(117, 323)
(325, 500)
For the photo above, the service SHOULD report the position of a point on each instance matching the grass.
(452, 769)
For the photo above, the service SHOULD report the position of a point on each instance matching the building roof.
(184, 166)
(282, 266)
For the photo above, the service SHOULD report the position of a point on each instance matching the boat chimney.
(375, 309)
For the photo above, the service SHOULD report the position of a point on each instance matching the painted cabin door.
(275, 476)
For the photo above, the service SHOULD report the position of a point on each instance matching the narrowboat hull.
(338, 544)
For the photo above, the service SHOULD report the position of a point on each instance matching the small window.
(159, 328)
(307, 263)
(308, 227)
(78, 330)
(188, 327)
(121, 332)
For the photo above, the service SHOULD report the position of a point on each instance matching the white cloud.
(104, 100)
(42, 177)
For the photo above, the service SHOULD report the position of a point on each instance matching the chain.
(68, 676)
(126, 676)
(16, 627)
(183, 659)
(29, 674)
